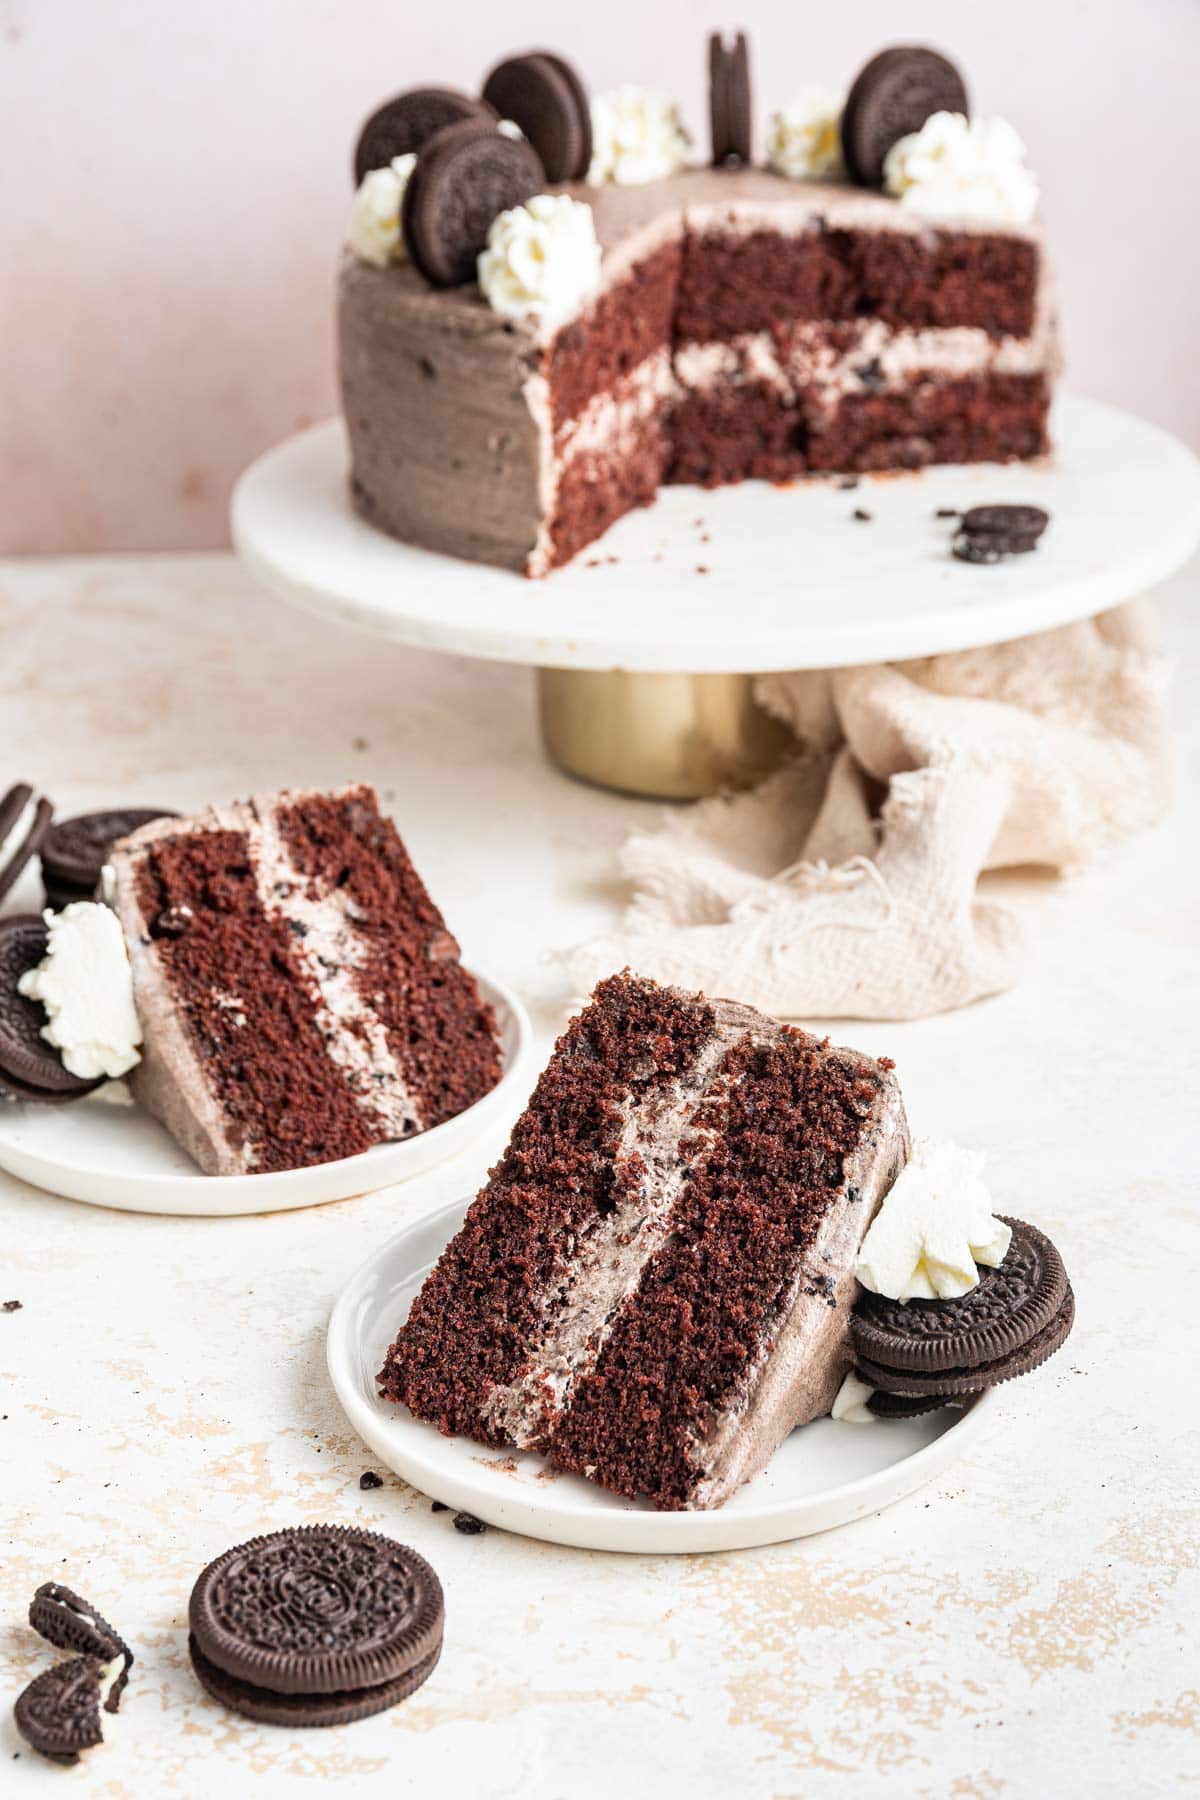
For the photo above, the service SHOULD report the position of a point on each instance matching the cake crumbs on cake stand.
(646, 667)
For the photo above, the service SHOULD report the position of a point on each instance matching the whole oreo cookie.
(58, 1714)
(315, 1625)
(892, 96)
(958, 1383)
(729, 103)
(27, 828)
(75, 850)
(405, 124)
(542, 94)
(30, 1068)
(463, 178)
(1006, 1307)
(70, 1623)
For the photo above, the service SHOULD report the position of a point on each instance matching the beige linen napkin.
(807, 898)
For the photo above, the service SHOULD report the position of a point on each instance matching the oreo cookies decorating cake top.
(875, 297)
(271, 976)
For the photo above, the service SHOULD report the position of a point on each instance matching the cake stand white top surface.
(753, 577)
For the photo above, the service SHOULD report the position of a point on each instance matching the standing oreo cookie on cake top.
(729, 105)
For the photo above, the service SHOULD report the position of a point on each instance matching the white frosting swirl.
(959, 168)
(637, 137)
(850, 1403)
(934, 1227)
(542, 259)
(85, 984)
(804, 139)
(375, 235)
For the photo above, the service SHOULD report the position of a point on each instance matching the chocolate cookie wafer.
(729, 105)
(542, 94)
(25, 819)
(58, 1714)
(75, 851)
(315, 1625)
(30, 1068)
(890, 98)
(71, 1623)
(405, 124)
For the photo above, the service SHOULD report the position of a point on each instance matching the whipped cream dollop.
(850, 1404)
(85, 984)
(637, 136)
(934, 1227)
(541, 260)
(804, 139)
(375, 235)
(959, 168)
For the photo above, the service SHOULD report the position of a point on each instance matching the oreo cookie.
(71, 1623)
(463, 178)
(729, 104)
(24, 822)
(30, 1068)
(58, 1714)
(541, 93)
(1015, 1317)
(405, 124)
(1005, 521)
(75, 851)
(315, 1625)
(892, 96)
(895, 1406)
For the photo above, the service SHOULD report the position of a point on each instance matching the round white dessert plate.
(791, 580)
(826, 1474)
(114, 1155)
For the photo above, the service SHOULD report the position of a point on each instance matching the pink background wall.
(174, 183)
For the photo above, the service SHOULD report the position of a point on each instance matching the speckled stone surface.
(1019, 1629)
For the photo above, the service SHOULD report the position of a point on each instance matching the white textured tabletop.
(1024, 1627)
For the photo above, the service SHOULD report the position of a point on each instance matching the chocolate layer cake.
(654, 1287)
(299, 994)
(745, 325)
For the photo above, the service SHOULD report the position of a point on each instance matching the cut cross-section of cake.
(299, 994)
(654, 1286)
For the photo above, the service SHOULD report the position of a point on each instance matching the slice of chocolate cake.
(299, 994)
(654, 1287)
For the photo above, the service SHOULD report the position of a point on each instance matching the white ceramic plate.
(824, 1475)
(792, 582)
(119, 1156)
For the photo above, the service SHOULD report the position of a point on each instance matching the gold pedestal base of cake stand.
(670, 737)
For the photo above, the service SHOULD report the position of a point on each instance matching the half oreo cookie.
(58, 1714)
(890, 98)
(541, 93)
(729, 104)
(464, 177)
(405, 124)
(30, 1068)
(315, 1625)
(25, 820)
(71, 1623)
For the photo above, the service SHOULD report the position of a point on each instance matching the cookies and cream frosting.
(637, 136)
(956, 167)
(804, 138)
(934, 1228)
(85, 984)
(542, 259)
(375, 235)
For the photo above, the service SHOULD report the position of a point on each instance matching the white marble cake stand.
(647, 645)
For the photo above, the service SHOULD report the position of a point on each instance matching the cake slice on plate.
(654, 1286)
(299, 995)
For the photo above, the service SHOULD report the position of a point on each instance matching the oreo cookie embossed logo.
(313, 1596)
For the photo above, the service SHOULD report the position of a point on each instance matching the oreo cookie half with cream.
(25, 819)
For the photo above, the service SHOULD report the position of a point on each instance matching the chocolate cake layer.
(518, 444)
(299, 995)
(654, 1286)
